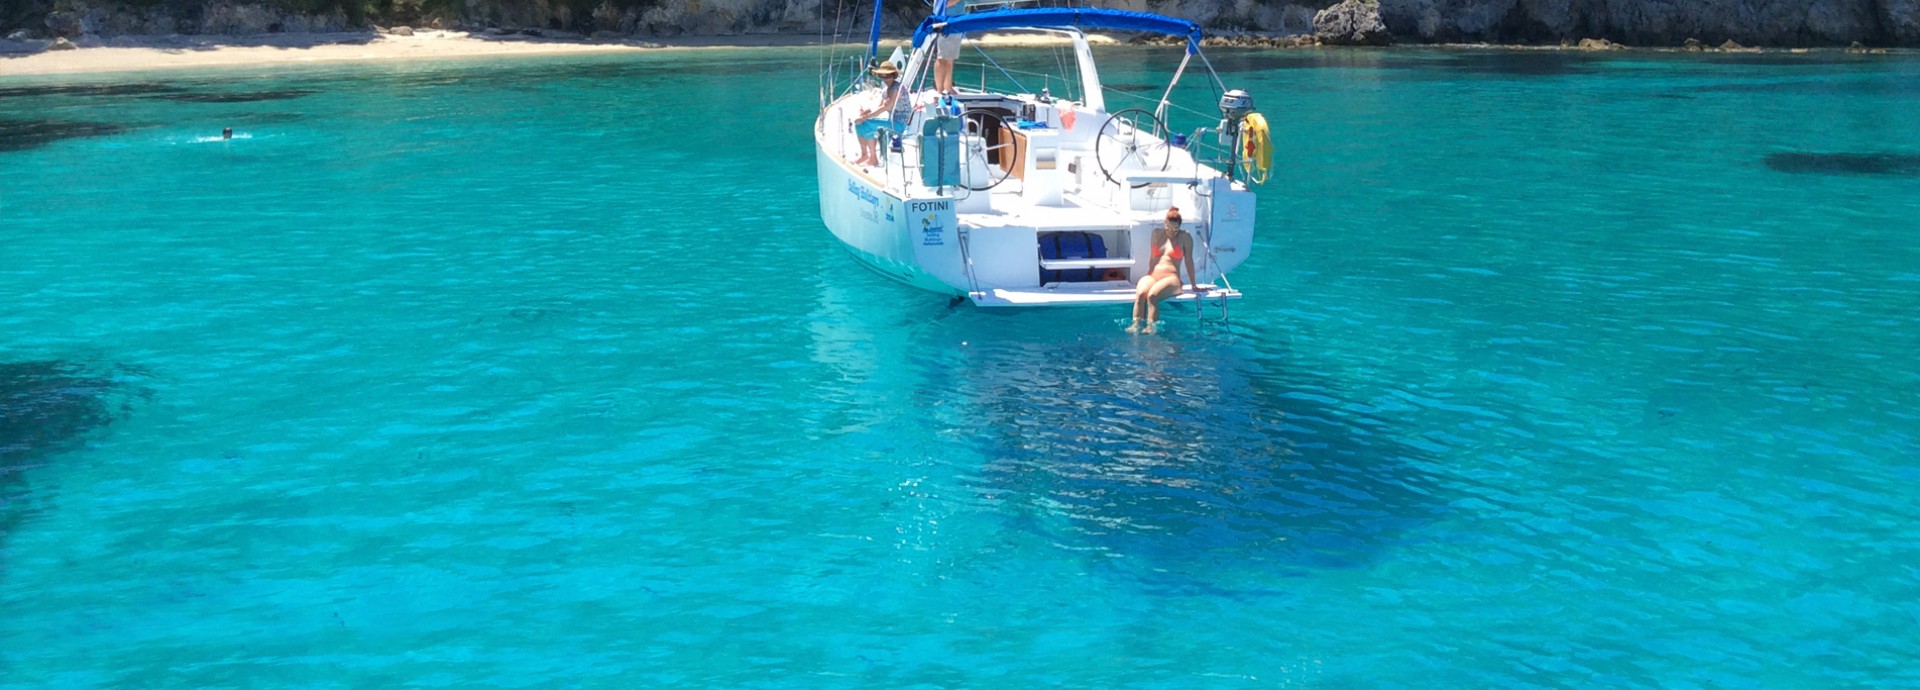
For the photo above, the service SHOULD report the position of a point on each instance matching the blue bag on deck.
(1071, 245)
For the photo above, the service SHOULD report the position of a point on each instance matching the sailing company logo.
(932, 233)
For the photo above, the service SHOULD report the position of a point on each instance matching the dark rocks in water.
(1845, 163)
(19, 135)
(1693, 45)
(241, 97)
(1599, 44)
(62, 43)
(1732, 45)
(1351, 23)
(270, 118)
(1534, 63)
(1242, 62)
(20, 35)
(1783, 23)
(86, 90)
(1846, 87)
(1757, 57)
(47, 406)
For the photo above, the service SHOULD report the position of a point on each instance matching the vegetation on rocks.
(1666, 23)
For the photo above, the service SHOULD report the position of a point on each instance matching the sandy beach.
(143, 53)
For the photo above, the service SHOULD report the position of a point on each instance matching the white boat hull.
(909, 240)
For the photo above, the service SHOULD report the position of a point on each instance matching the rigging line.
(833, 63)
(1209, 64)
(1060, 66)
(1175, 106)
(1069, 77)
(826, 56)
(1160, 111)
(1003, 70)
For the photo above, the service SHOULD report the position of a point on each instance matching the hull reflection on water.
(1193, 459)
(1187, 452)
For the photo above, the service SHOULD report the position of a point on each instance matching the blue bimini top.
(1060, 18)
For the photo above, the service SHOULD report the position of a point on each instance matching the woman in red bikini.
(1172, 247)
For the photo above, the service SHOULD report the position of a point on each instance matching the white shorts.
(947, 47)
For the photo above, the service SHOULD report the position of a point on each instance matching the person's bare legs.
(1140, 292)
(1161, 290)
(869, 152)
(943, 75)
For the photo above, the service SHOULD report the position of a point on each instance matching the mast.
(873, 37)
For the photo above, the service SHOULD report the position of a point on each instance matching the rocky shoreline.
(1572, 23)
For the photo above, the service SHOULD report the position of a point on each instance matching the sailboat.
(1010, 196)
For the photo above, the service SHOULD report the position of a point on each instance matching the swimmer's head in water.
(226, 133)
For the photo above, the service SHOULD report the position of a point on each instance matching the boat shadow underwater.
(1195, 461)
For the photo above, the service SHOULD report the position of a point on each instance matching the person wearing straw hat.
(874, 123)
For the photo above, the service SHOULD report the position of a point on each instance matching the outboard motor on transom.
(1235, 106)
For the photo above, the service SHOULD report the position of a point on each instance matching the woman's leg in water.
(1140, 292)
(1161, 290)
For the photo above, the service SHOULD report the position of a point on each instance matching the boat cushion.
(940, 151)
(1071, 245)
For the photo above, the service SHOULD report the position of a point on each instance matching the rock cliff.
(1633, 22)
(1657, 22)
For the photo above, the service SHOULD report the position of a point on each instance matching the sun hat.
(885, 69)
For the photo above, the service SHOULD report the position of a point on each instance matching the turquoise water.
(1554, 371)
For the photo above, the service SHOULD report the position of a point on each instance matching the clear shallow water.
(545, 374)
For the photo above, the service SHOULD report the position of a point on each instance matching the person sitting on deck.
(871, 125)
(1172, 246)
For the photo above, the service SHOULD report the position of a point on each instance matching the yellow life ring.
(1257, 147)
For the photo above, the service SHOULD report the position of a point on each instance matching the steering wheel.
(979, 123)
(1132, 139)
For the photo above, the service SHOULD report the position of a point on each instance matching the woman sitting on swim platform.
(1172, 248)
